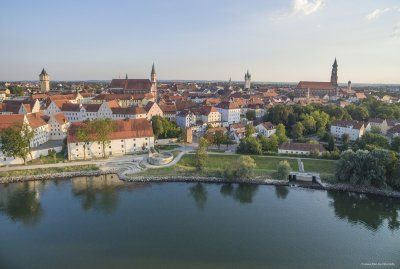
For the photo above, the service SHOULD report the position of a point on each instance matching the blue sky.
(286, 40)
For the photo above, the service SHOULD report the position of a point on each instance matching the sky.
(278, 41)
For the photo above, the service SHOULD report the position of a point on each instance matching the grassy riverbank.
(51, 170)
(215, 165)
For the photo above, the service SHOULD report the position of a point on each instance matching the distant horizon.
(288, 40)
(207, 80)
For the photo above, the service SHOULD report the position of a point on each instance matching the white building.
(230, 112)
(266, 129)
(185, 119)
(354, 129)
(210, 115)
(131, 136)
(301, 148)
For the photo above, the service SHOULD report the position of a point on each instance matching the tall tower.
(153, 79)
(247, 80)
(334, 76)
(44, 81)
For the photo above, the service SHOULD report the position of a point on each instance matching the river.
(105, 223)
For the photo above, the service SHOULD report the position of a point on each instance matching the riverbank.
(207, 179)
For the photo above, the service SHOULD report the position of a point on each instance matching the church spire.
(153, 70)
(126, 76)
(334, 75)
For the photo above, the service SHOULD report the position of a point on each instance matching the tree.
(366, 168)
(227, 140)
(251, 115)
(281, 133)
(272, 143)
(158, 127)
(282, 170)
(84, 133)
(28, 134)
(321, 119)
(250, 130)
(103, 129)
(309, 124)
(346, 141)
(331, 143)
(298, 130)
(249, 145)
(201, 154)
(218, 138)
(245, 167)
(53, 154)
(395, 144)
(14, 144)
(371, 141)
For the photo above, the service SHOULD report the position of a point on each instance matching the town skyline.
(285, 41)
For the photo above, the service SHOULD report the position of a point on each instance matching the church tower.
(44, 81)
(334, 76)
(153, 79)
(247, 80)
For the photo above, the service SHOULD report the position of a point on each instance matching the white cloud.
(376, 13)
(396, 31)
(307, 7)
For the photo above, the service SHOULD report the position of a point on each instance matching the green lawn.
(215, 165)
(48, 159)
(324, 167)
(41, 171)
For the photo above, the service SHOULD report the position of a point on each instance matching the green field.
(216, 163)
(51, 170)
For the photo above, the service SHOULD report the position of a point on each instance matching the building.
(316, 88)
(380, 124)
(135, 85)
(130, 136)
(301, 148)
(266, 129)
(185, 119)
(44, 79)
(237, 131)
(210, 115)
(354, 129)
(152, 109)
(247, 81)
(230, 112)
(19, 107)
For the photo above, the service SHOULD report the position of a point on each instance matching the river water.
(104, 223)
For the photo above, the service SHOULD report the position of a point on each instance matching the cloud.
(307, 7)
(396, 31)
(298, 8)
(376, 13)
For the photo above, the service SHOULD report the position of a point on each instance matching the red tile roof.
(128, 128)
(315, 85)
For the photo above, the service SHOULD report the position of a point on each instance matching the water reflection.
(21, 202)
(281, 192)
(199, 194)
(243, 193)
(97, 193)
(367, 210)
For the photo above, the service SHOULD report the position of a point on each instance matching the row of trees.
(98, 130)
(377, 168)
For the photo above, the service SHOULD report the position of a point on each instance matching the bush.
(283, 169)
(242, 169)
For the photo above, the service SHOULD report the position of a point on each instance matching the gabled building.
(152, 109)
(266, 129)
(130, 136)
(210, 115)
